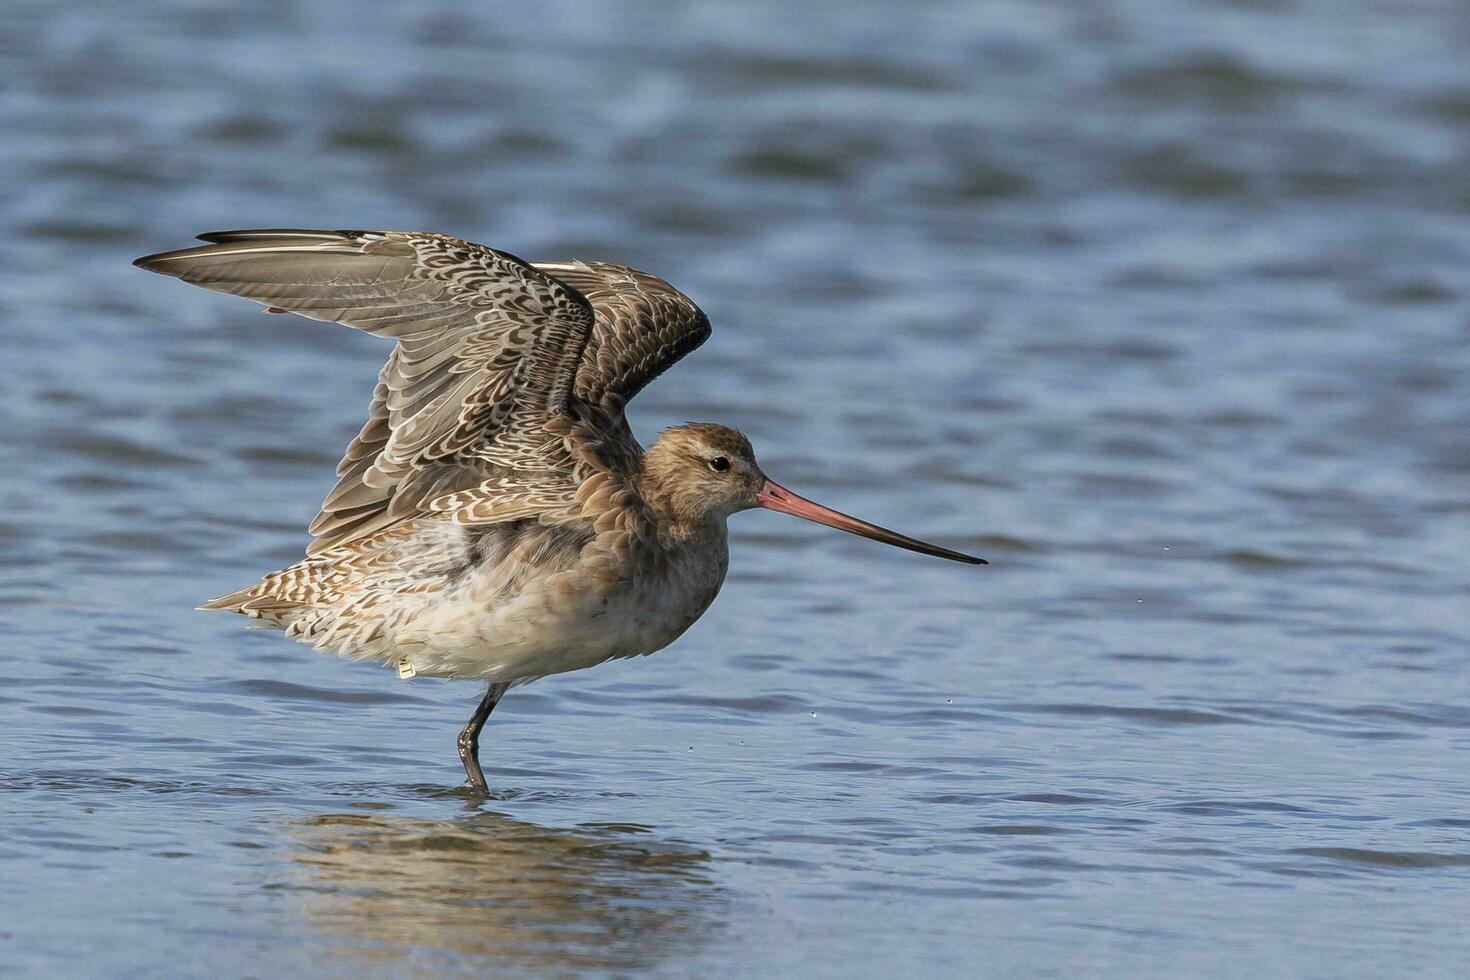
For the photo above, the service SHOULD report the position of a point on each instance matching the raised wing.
(643, 326)
(487, 355)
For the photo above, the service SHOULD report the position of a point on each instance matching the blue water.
(1162, 307)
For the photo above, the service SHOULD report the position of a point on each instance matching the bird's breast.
(575, 617)
(679, 590)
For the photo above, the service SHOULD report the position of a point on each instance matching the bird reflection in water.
(504, 893)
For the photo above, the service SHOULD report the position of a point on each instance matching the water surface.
(1161, 307)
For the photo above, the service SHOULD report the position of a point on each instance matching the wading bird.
(495, 518)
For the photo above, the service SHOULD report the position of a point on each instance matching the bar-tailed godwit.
(495, 518)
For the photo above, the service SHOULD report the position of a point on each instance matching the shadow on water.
(505, 893)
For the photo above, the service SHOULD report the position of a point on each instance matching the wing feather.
(487, 352)
(506, 384)
(643, 326)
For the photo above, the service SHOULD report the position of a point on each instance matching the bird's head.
(703, 471)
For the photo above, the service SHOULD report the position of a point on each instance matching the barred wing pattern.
(504, 394)
(487, 351)
(643, 326)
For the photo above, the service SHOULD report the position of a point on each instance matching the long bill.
(775, 497)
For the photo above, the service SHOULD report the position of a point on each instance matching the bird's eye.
(720, 464)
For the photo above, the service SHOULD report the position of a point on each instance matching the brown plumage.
(495, 518)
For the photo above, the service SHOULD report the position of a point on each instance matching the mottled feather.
(643, 326)
(505, 389)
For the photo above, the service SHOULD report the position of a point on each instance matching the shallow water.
(1161, 307)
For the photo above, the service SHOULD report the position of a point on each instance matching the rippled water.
(1162, 307)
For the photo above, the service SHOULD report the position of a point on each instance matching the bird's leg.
(469, 737)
